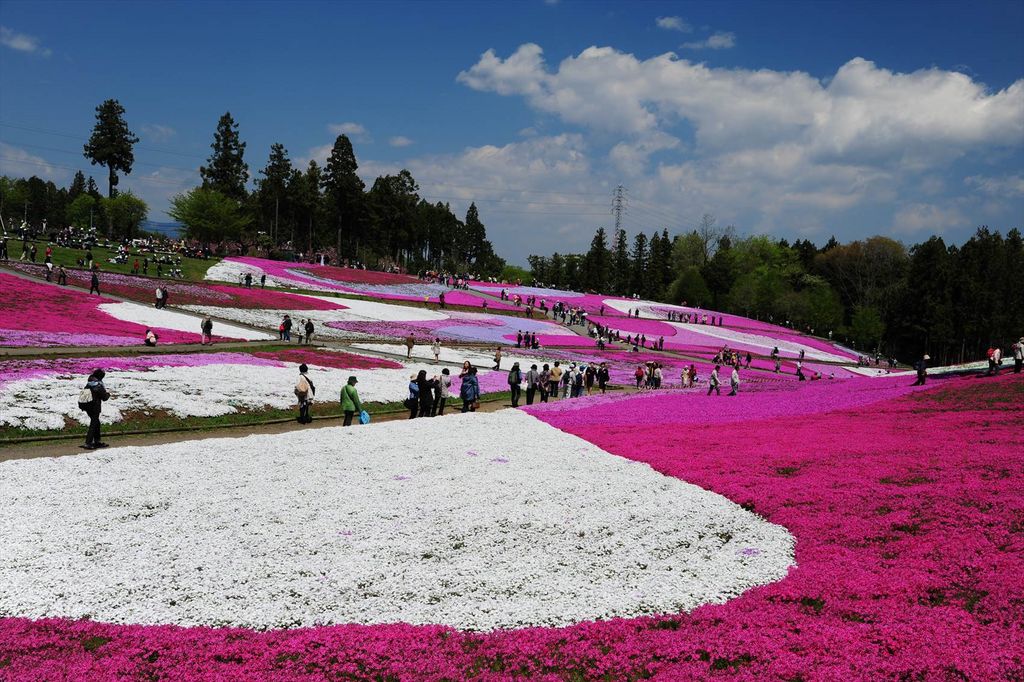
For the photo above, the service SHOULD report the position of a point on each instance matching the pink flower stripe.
(143, 289)
(337, 360)
(906, 506)
(18, 370)
(39, 314)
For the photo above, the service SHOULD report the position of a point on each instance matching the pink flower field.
(38, 314)
(907, 505)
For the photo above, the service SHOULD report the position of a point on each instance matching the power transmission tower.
(619, 202)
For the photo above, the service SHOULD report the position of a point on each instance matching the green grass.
(191, 268)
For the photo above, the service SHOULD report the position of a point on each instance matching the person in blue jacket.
(470, 391)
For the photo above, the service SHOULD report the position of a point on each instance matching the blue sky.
(793, 119)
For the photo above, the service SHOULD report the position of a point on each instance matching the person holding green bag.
(350, 400)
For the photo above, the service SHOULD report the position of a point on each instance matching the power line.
(73, 153)
(142, 178)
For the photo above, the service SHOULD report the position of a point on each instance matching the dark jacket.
(99, 394)
(470, 389)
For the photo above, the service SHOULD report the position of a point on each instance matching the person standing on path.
(713, 383)
(309, 330)
(425, 393)
(603, 377)
(286, 328)
(62, 276)
(436, 349)
(515, 378)
(263, 281)
(412, 403)
(497, 359)
(304, 392)
(470, 391)
(734, 381)
(444, 386)
(207, 331)
(94, 283)
(1018, 355)
(544, 382)
(532, 379)
(410, 342)
(350, 400)
(554, 380)
(90, 400)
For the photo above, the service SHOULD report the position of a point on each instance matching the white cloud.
(158, 133)
(920, 218)
(22, 42)
(1006, 187)
(673, 24)
(400, 141)
(16, 162)
(356, 131)
(720, 40)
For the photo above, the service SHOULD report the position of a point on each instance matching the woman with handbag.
(304, 392)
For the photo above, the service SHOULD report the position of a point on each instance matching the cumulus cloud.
(22, 42)
(919, 218)
(720, 40)
(356, 131)
(400, 141)
(673, 24)
(16, 162)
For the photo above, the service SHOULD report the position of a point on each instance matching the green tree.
(125, 212)
(77, 186)
(111, 143)
(638, 279)
(867, 327)
(272, 195)
(80, 211)
(689, 288)
(208, 215)
(226, 171)
(343, 192)
(620, 264)
(596, 263)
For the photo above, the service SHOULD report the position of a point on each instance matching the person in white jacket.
(734, 381)
(436, 348)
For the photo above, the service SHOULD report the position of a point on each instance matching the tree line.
(288, 210)
(951, 302)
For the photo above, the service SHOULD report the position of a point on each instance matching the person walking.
(515, 378)
(1018, 355)
(263, 281)
(91, 400)
(497, 359)
(734, 381)
(713, 383)
(62, 276)
(207, 331)
(921, 366)
(159, 295)
(350, 404)
(639, 375)
(444, 388)
(94, 283)
(286, 328)
(435, 348)
(554, 379)
(410, 342)
(470, 391)
(603, 377)
(304, 392)
(309, 330)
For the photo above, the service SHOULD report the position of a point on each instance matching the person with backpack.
(713, 383)
(515, 378)
(207, 331)
(470, 391)
(350, 404)
(90, 401)
(304, 392)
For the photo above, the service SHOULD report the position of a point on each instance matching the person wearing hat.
(304, 392)
(350, 404)
(1018, 355)
(922, 370)
(90, 400)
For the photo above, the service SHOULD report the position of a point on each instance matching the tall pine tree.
(638, 279)
(111, 143)
(620, 264)
(596, 263)
(343, 190)
(226, 170)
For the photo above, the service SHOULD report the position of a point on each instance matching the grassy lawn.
(191, 268)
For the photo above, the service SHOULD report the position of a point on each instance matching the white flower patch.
(451, 355)
(476, 521)
(234, 273)
(206, 391)
(162, 318)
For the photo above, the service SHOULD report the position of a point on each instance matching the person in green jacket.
(350, 400)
